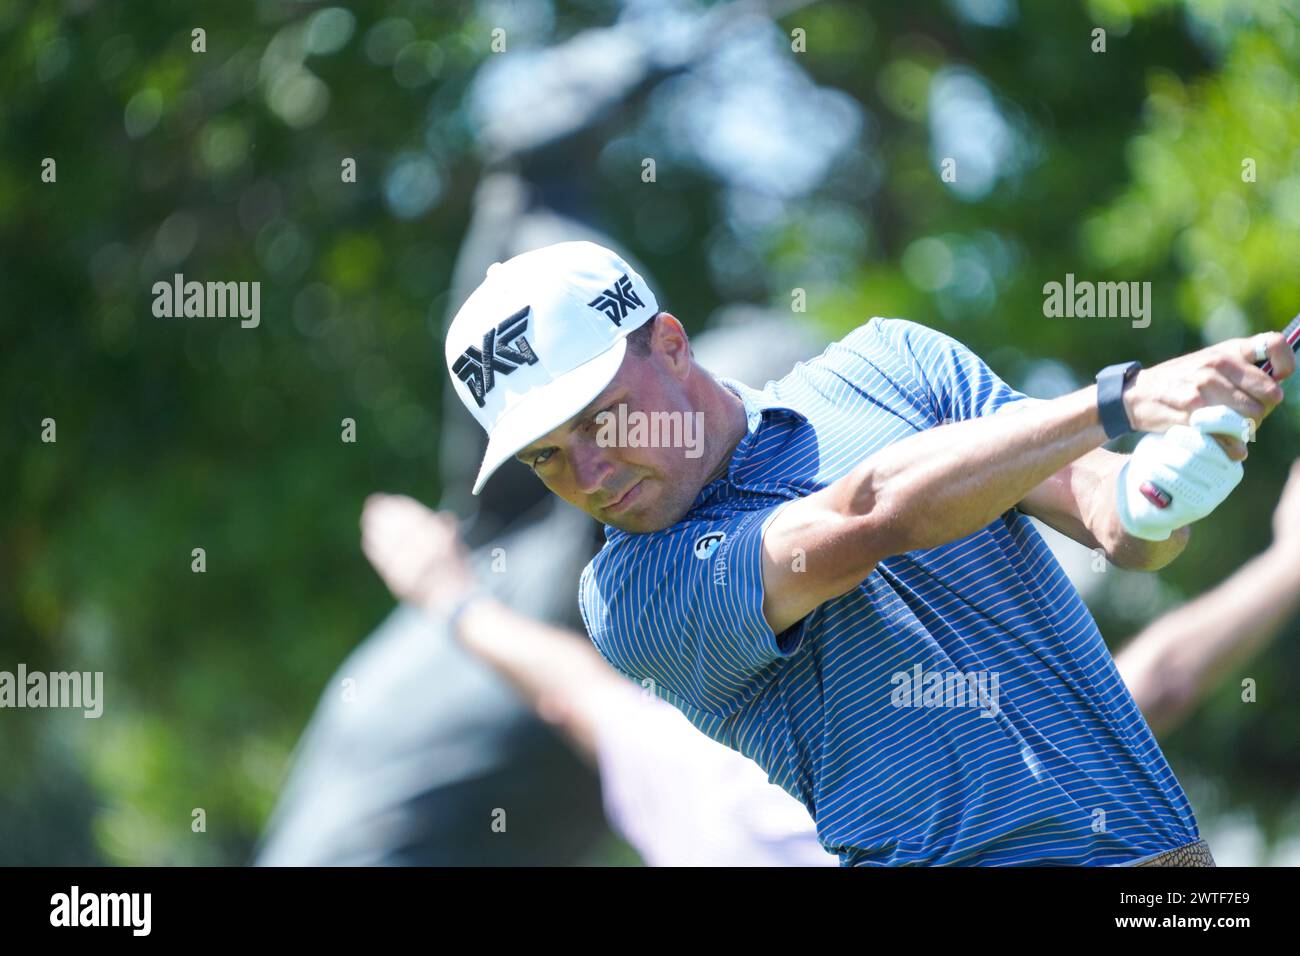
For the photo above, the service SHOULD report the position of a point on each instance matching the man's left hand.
(1180, 476)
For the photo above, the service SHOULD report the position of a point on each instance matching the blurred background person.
(678, 797)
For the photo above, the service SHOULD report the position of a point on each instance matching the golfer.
(820, 581)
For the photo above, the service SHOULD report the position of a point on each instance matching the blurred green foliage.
(177, 434)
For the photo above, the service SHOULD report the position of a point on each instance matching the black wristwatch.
(1110, 397)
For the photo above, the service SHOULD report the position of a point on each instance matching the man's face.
(616, 475)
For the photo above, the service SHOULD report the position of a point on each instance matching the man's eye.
(542, 456)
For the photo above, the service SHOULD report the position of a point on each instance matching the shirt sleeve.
(959, 382)
(682, 609)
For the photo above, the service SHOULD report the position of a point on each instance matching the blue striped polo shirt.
(958, 706)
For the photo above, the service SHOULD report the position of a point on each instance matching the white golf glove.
(1179, 477)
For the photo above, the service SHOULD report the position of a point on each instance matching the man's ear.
(669, 340)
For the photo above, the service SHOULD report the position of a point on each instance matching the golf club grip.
(1292, 335)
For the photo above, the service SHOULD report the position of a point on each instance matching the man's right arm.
(928, 489)
(949, 481)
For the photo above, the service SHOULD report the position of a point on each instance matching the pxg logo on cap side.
(617, 300)
(478, 369)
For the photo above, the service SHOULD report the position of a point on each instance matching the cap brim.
(548, 407)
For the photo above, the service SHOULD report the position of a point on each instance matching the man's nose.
(590, 466)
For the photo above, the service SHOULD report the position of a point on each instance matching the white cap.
(540, 338)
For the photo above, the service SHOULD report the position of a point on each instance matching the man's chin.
(645, 518)
(634, 524)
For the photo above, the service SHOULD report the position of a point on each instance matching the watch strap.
(1110, 397)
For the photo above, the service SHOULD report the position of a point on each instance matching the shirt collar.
(760, 406)
(757, 404)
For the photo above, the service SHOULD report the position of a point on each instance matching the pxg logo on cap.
(540, 338)
(477, 368)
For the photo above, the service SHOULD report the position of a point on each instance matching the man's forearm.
(534, 656)
(552, 668)
(947, 482)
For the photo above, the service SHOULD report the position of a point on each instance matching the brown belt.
(1193, 854)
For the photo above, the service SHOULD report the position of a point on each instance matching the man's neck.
(730, 422)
